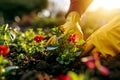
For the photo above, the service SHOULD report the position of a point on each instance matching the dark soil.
(42, 67)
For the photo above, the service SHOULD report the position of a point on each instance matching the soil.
(42, 67)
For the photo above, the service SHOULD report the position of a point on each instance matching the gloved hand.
(105, 40)
(52, 40)
(72, 23)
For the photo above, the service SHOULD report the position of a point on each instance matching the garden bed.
(24, 56)
(36, 67)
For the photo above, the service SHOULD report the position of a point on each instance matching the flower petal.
(103, 70)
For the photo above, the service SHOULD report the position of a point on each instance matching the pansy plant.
(66, 47)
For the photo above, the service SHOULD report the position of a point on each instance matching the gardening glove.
(106, 40)
(72, 24)
(52, 40)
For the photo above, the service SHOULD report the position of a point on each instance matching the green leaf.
(52, 47)
(58, 59)
(53, 29)
(81, 77)
(81, 42)
(73, 75)
(1, 42)
(12, 36)
(5, 27)
(72, 59)
(3, 61)
(67, 62)
(20, 56)
(61, 62)
(9, 68)
(77, 53)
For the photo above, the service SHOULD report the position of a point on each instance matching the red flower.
(4, 50)
(74, 38)
(62, 77)
(38, 38)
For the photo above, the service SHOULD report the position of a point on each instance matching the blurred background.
(25, 14)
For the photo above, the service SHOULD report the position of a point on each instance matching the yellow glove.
(72, 23)
(52, 40)
(106, 40)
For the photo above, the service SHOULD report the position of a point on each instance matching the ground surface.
(41, 67)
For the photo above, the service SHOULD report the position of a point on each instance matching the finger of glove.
(50, 41)
(88, 47)
(54, 40)
(94, 50)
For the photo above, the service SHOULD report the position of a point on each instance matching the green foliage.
(65, 50)
(4, 71)
(21, 43)
(82, 76)
(7, 35)
(3, 62)
(25, 44)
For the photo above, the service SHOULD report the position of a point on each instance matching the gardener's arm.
(76, 9)
(79, 6)
(106, 40)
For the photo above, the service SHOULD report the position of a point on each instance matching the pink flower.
(94, 62)
(89, 61)
(62, 77)
(4, 50)
(103, 70)
(90, 64)
(38, 39)
(74, 38)
(96, 56)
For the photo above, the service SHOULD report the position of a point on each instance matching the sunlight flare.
(106, 4)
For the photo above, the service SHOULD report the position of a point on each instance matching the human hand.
(52, 40)
(71, 24)
(106, 40)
